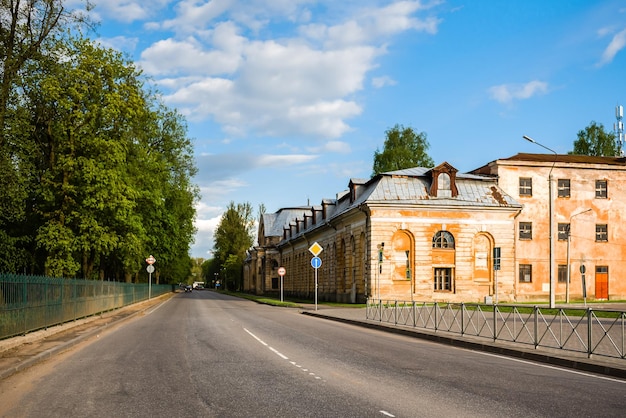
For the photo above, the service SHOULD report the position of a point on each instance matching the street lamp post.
(551, 223)
(569, 240)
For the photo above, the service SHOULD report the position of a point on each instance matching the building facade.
(416, 234)
(588, 224)
(430, 235)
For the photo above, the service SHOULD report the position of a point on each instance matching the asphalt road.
(204, 354)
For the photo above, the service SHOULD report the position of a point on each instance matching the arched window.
(444, 181)
(443, 239)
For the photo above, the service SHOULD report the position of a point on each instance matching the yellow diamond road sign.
(315, 249)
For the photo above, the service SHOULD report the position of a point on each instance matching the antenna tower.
(618, 127)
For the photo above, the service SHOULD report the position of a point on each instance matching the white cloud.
(338, 147)
(283, 160)
(398, 17)
(171, 57)
(300, 85)
(616, 45)
(280, 89)
(373, 25)
(194, 15)
(383, 81)
(127, 10)
(205, 226)
(219, 188)
(506, 93)
(120, 43)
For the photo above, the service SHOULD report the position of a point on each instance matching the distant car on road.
(188, 288)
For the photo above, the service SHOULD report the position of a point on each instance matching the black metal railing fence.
(584, 330)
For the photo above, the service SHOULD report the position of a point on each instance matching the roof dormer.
(443, 181)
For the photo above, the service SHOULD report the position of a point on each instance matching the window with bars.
(525, 186)
(563, 232)
(602, 233)
(525, 230)
(601, 189)
(563, 187)
(562, 273)
(443, 279)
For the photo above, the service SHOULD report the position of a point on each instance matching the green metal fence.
(29, 303)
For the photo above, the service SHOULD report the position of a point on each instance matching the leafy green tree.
(594, 140)
(27, 28)
(83, 109)
(96, 171)
(403, 148)
(233, 237)
(233, 272)
(107, 167)
(168, 202)
(210, 271)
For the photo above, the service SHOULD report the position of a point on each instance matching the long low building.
(420, 233)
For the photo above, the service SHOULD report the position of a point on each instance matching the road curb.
(540, 357)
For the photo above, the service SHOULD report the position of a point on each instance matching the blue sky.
(286, 100)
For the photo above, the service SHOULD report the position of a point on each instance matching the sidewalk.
(614, 367)
(21, 352)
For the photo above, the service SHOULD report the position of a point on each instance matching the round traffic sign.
(281, 271)
(150, 268)
(316, 262)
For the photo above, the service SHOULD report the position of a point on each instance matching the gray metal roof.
(402, 187)
(274, 223)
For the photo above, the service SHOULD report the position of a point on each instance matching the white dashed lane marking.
(281, 355)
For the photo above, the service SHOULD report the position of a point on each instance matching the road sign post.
(150, 260)
(281, 273)
(496, 267)
(316, 262)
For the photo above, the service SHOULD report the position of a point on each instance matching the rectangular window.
(525, 230)
(562, 273)
(525, 273)
(601, 189)
(443, 279)
(274, 283)
(563, 232)
(563, 187)
(602, 233)
(525, 186)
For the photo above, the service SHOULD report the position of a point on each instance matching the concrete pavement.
(24, 351)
